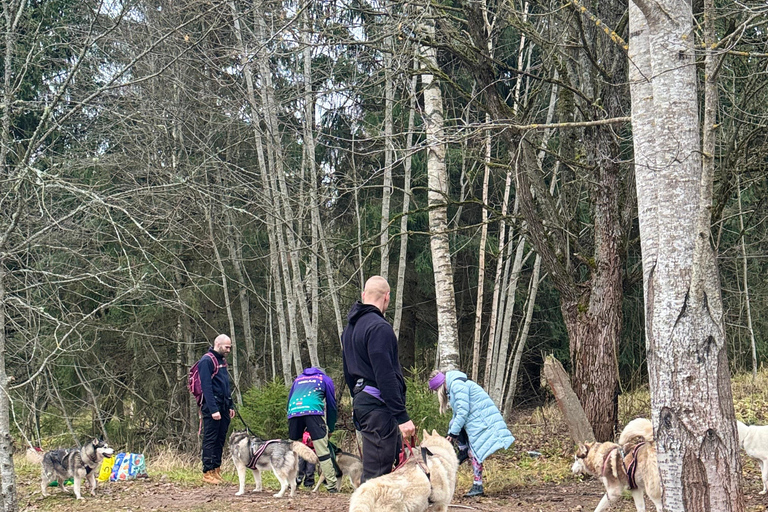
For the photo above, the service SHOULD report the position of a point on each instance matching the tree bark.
(406, 203)
(691, 400)
(447, 331)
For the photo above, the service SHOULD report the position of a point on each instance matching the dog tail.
(639, 427)
(304, 452)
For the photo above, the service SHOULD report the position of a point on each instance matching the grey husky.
(350, 466)
(279, 456)
(76, 464)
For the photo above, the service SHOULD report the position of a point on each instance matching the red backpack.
(193, 382)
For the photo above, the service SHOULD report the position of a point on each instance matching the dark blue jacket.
(216, 394)
(370, 352)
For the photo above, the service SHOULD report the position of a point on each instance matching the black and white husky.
(76, 464)
(279, 456)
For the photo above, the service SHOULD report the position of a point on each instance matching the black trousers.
(381, 435)
(214, 437)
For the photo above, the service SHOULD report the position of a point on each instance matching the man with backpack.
(217, 407)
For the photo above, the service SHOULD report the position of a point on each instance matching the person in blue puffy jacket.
(476, 426)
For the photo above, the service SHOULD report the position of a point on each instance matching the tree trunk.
(7, 472)
(386, 188)
(752, 343)
(477, 338)
(447, 330)
(406, 204)
(522, 338)
(691, 400)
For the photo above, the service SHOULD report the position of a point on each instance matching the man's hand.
(451, 438)
(216, 415)
(408, 429)
(231, 413)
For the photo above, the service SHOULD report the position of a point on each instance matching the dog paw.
(239, 493)
(763, 491)
(278, 495)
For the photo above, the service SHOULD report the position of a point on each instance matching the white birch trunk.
(267, 188)
(7, 472)
(752, 343)
(406, 204)
(691, 400)
(477, 338)
(386, 188)
(234, 366)
(447, 330)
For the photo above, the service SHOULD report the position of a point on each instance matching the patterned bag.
(128, 466)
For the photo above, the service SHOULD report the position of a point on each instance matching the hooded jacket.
(216, 394)
(475, 412)
(370, 353)
(310, 393)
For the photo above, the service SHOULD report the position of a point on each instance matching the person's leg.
(309, 474)
(302, 470)
(221, 439)
(477, 477)
(381, 436)
(318, 431)
(210, 437)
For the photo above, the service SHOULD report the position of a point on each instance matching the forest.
(585, 179)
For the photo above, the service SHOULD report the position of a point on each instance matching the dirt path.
(159, 495)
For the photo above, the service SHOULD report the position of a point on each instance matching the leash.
(410, 444)
(247, 428)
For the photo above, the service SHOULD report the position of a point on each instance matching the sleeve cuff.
(402, 418)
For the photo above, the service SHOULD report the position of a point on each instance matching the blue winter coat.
(475, 412)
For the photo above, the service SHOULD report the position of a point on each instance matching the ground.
(159, 494)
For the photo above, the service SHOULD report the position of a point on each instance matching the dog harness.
(632, 469)
(255, 456)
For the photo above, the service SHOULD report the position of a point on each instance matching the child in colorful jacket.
(312, 403)
(476, 425)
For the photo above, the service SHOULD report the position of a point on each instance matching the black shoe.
(308, 483)
(463, 455)
(476, 490)
(332, 490)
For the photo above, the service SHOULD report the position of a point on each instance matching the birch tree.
(691, 400)
(448, 334)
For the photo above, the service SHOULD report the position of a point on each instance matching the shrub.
(265, 410)
(423, 407)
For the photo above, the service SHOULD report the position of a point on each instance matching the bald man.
(374, 376)
(217, 409)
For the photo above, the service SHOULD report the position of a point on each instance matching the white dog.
(754, 440)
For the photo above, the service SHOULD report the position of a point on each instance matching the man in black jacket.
(218, 408)
(374, 376)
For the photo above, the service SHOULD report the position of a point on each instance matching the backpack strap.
(216, 364)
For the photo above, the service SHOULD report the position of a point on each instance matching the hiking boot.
(209, 477)
(217, 474)
(332, 490)
(476, 490)
(308, 483)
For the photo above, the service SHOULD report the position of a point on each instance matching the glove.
(451, 438)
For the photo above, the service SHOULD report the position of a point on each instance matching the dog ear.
(95, 442)
(583, 450)
(434, 432)
(424, 434)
